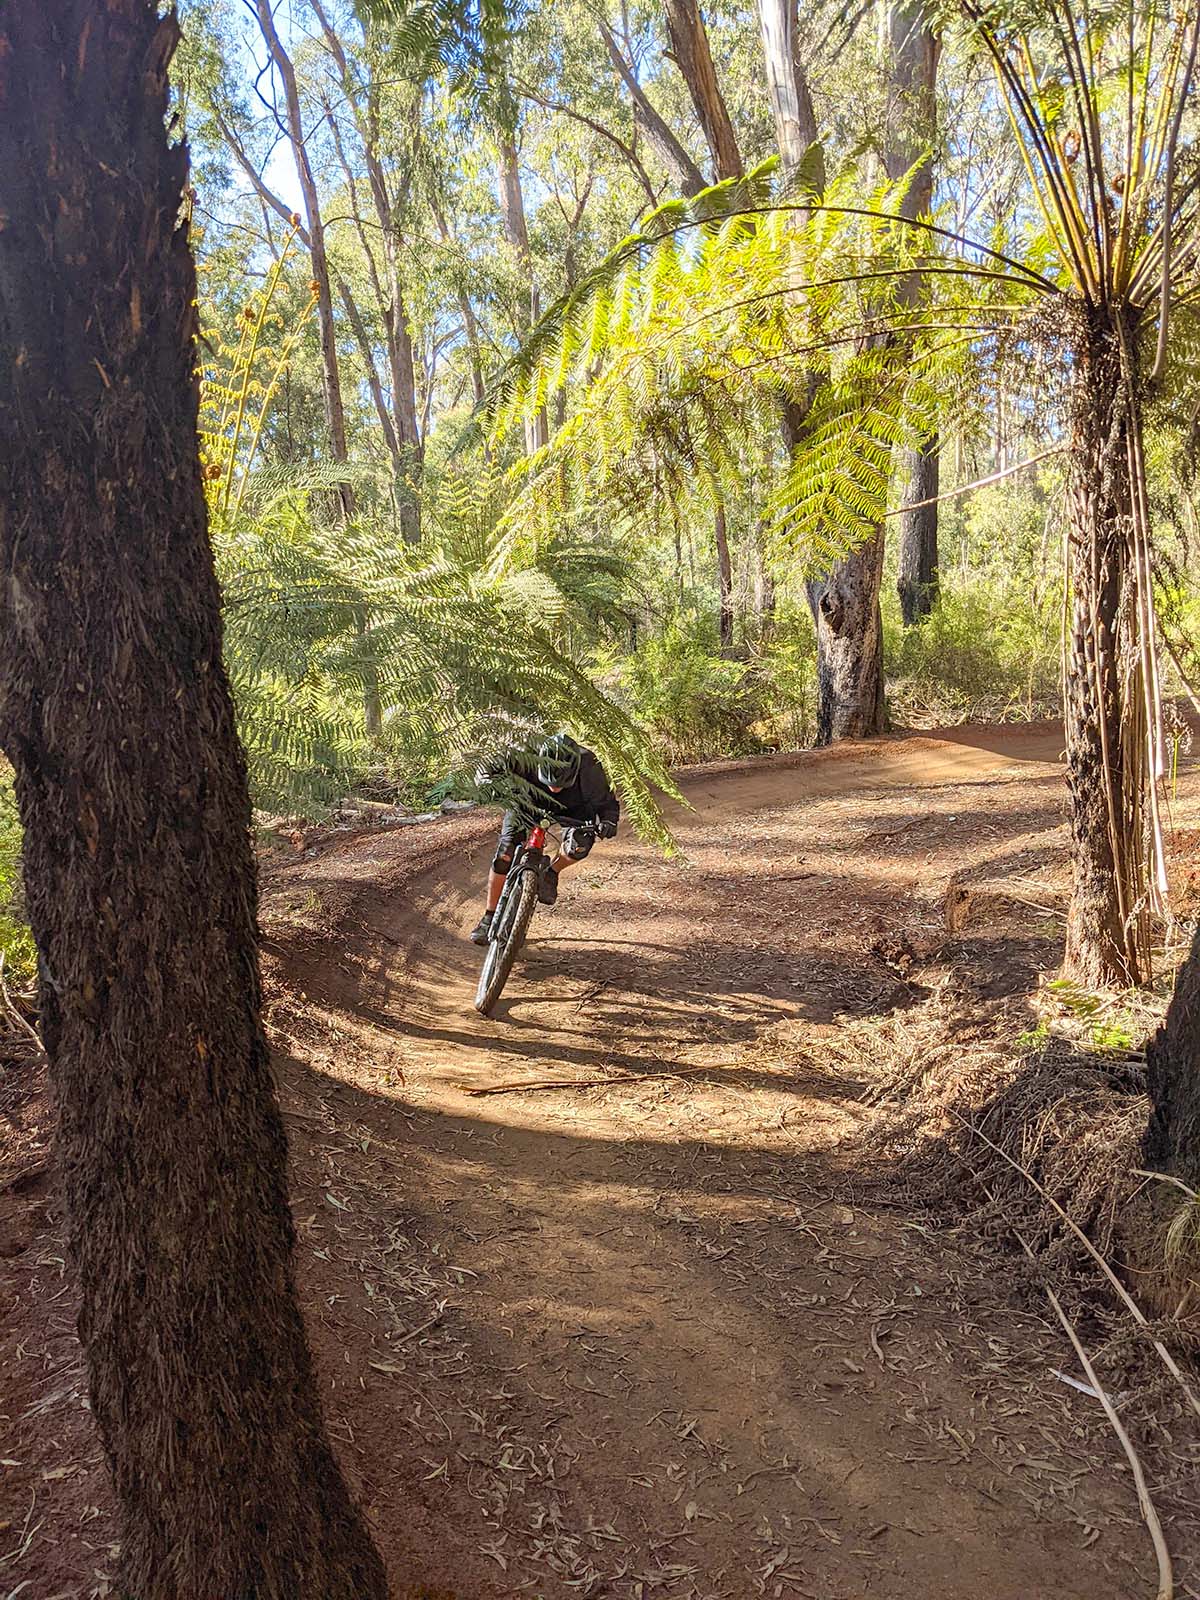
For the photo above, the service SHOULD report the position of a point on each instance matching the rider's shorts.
(577, 842)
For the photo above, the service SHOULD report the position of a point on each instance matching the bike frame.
(534, 846)
(531, 854)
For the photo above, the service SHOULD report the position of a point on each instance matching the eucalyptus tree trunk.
(116, 715)
(1173, 1137)
(335, 413)
(410, 451)
(691, 54)
(845, 602)
(685, 174)
(845, 607)
(516, 231)
(787, 80)
(724, 578)
(331, 381)
(1107, 927)
(911, 131)
(917, 579)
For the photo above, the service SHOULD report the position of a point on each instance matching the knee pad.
(501, 862)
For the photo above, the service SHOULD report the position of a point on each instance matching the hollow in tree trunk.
(845, 609)
(917, 583)
(117, 717)
(1107, 927)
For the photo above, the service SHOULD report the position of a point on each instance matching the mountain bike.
(514, 910)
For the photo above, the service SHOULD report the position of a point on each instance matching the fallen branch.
(1166, 1582)
(581, 1083)
(1131, 1304)
(424, 1328)
(1169, 1177)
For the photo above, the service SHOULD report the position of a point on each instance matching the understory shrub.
(701, 705)
(16, 941)
(974, 659)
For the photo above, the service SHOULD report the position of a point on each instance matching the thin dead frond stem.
(1127, 1299)
(1166, 1581)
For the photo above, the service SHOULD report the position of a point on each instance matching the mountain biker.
(568, 785)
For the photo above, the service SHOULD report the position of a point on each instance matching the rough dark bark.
(691, 54)
(140, 877)
(917, 534)
(724, 579)
(1106, 922)
(1173, 1137)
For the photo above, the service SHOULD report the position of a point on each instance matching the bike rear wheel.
(502, 951)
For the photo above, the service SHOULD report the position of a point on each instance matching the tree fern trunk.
(116, 715)
(1107, 933)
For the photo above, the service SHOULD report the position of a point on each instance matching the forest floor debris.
(738, 1313)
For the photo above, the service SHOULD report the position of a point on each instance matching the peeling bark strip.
(116, 714)
(787, 81)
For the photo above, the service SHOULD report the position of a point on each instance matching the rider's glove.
(606, 828)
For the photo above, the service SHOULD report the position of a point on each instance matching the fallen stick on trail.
(584, 1083)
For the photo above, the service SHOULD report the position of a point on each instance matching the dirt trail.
(659, 1337)
(677, 1358)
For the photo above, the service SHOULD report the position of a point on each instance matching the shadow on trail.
(659, 1307)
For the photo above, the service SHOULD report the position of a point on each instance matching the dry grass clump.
(976, 1114)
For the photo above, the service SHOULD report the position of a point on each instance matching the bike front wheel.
(502, 951)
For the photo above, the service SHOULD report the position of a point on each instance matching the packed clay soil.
(608, 1296)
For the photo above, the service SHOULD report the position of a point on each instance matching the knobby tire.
(502, 952)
